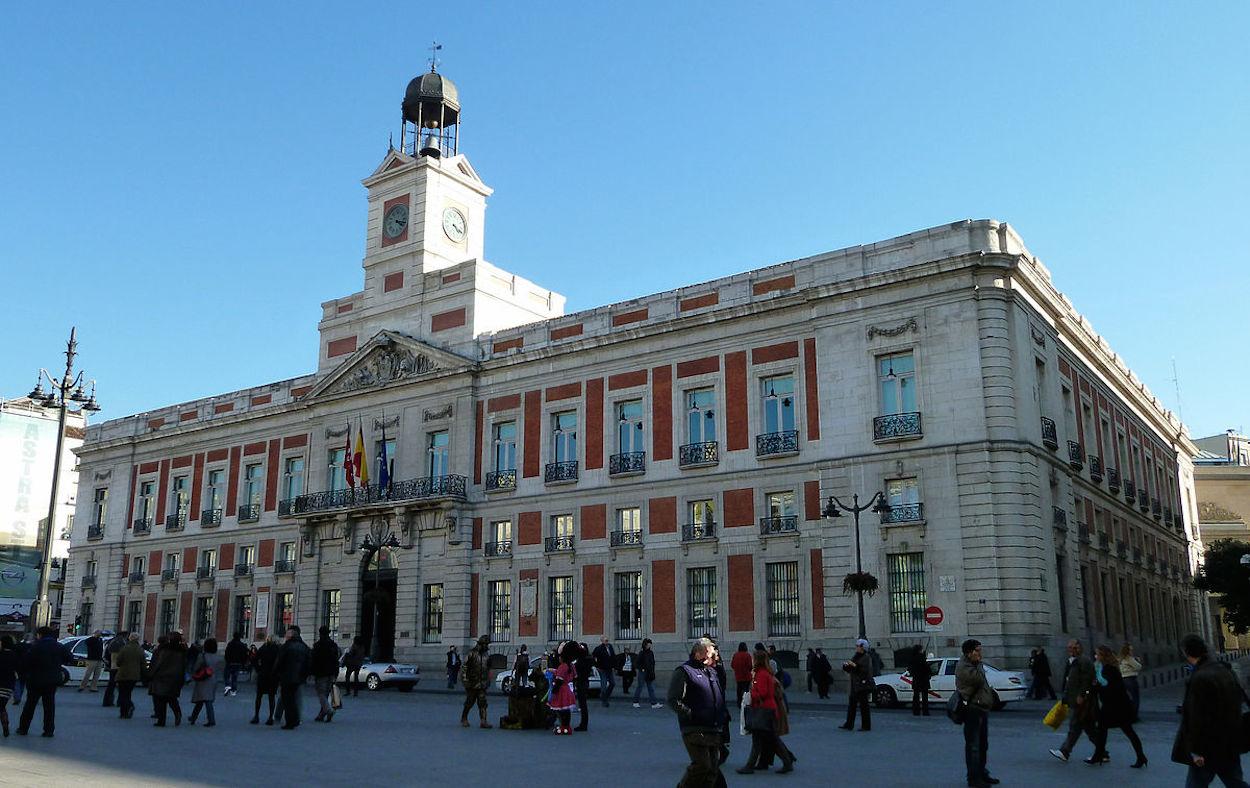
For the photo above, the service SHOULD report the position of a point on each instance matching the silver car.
(376, 674)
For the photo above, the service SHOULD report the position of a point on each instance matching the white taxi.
(895, 688)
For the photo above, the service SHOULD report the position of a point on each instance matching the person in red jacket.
(741, 666)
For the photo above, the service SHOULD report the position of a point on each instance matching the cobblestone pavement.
(392, 739)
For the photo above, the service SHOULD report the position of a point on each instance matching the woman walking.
(206, 672)
(766, 739)
(169, 672)
(266, 677)
(1129, 668)
(627, 670)
(354, 661)
(562, 700)
(1115, 710)
(129, 671)
(8, 678)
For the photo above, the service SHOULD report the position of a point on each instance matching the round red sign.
(933, 615)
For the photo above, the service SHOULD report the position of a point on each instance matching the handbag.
(203, 674)
(1055, 717)
(759, 720)
(957, 708)
(336, 697)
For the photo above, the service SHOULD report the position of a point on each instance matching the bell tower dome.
(431, 116)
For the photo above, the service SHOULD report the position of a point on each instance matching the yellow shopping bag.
(1057, 714)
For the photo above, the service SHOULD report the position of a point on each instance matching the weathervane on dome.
(434, 49)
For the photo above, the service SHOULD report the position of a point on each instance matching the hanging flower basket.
(859, 582)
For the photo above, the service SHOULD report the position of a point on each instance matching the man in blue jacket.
(41, 671)
(697, 695)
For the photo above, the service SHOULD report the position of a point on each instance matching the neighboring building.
(658, 467)
(27, 459)
(1222, 482)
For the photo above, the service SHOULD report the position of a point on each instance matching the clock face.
(395, 221)
(454, 224)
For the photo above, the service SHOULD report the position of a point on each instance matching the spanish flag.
(348, 475)
(359, 460)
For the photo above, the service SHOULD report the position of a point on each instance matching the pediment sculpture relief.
(386, 365)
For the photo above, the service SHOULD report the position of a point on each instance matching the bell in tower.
(431, 115)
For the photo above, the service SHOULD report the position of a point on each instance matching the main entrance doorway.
(378, 582)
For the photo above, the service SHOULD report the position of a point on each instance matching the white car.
(504, 680)
(895, 688)
(378, 674)
(77, 666)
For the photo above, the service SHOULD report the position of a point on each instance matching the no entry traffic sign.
(933, 615)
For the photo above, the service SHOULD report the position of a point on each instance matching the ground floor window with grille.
(782, 583)
(169, 612)
(203, 618)
(330, 609)
(84, 618)
(432, 613)
(628, 606)
(134, 616)
(500, 610)
(560, 608)
(283, 612)
(701, 602)
(243, 616)
(907, 594)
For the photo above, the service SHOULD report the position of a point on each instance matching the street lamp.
(878, 504)
(379, 536)
(61, 392)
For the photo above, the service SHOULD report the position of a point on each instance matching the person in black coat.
(918, 667)
(292, 672)
(1209, 739)
(8, 678)
(583, 664)
(41, 671)
(605, 660)
(1039, 666)
(325, 669)
(1115, 710)
(265, 667)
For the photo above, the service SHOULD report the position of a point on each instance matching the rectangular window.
(84, 618)
(432, 613)
(628, 605)
(560, 608)
(336, 470)
(246, 556)
(216, 491)
(562, 526)
(203, 617)
(100, 502)
(902, 492)
(138, 564)
(629, 520)
(286, 552)
(283, 612)
(499, 607)
(896, 374)
(564, 436)
(169, 617)
(243, 616)
(147, 500)
(1104, 591)
(208, 559)
(171, 562)
(701, 416)
(501, 530)
(782, 584)
(438, 448)
(254, 483)
(907, 591)
(1061, 585)
(701, 602)
(504, 442)
(781, 504)
(629, 431)
(134, 616)
(90, 569)
(777, 401)
(179, 497)
(330, 599)
(702, 512)
(293, 478)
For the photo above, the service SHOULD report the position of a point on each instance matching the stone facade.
(926, 366)
(1222, 485)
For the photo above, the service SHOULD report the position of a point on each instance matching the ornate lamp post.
(62, 392)
(878, 504)
(378, 537)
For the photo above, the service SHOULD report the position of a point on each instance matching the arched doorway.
(378, 582)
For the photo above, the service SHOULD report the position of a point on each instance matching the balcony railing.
(693, 455)
(1104, 543)
(176, 521)
(1137, 555)
(210, 517)
(248, 513)
(627, 538)
(560, 472)
(903, 513)
(1156, 509)
(496, 549)
(1113, 480)
(88, 581)
(1050, 436)
(204, 572)
(1095, 467)
(169, 575)
(1060, 517)
(772, 444)
(426, 488)
(1130, 491)
(1121, 549)
(627, 463)
(697, 532)
(558, 544)
(136, 578)
(242, 570)
(1143, 500)
(142, 526)
(501, 480)
(284, 566)
(780, 524)
(1076, 456)
(896, 426)
(95, 532)
(1082, 533)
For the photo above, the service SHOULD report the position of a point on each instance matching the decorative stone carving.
(386, 365)
(907, 325)
(1039, 338)
(390, 423)
(102, 475)
(435, 415)
(1209, 512)
(337, 433)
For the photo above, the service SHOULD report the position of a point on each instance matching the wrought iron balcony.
(496, 549)
(896, 426)
(773, 444)
(204, 572)
(248, 513)
(88, 581)
(1082, 533)
(176, 521)
(242, 570)
(142, 526)
(780, 524)
(1121, 549)
(627, 463)
(694, 455)
(426, 488)
(501, 480)
(1104, 543)
(284, 566)
(1156, 509)
(95, 532)
(1050, 436)
(1113, 480)
(210, 517)
(169, 575)
(627, 538)
(1060, 517)
(560, 472)
(1076, 456)
(698, 532)
(903, 513)
(1143, 500)
(1130, 491)
(1095, 467)
(136, 578)
(1137, 555)
(558, 544)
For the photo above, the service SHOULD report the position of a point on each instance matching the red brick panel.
(770, 285)
(121, 608)
(125, 565)
(130, 505)
(530, 528)
(564, 332)
(262, 399)
(183, 461)
(811, 500)
(506, 402)
(565, 391)
(345, 308)
(662, 515)
(777, 352)
(163, 495)
(340, 347)
(154, 563)
(393, 282)
(156, 424)
(663, 596)
(149, 467)
(662, 413)
(533, 433)
(736, 426)
(264, 553)
(512, 343)
(188, 416)
(225, 407)
(818, 589)
(189, 554)
(295, 441)
(271, 475)
(386, 208)
(527, 626)
(698, 302)
(594, 424)
(222, 612)
(300, 391)
(625, 318)
(217, 455)
(184, 613)
(594, 522)
(739, 508)
(197, 481)
(698, 366)
(624, 380)
(741, 593)
(479, 426)
(451, 278)
(811, 389)
(225, 556)
(250, 449)
(443, 321)
(474, 582)
(149, 619)
(592, 599)
(232, 483)
(477, 534)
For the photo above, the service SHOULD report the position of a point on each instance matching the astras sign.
(27, 449)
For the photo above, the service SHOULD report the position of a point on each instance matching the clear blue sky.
(183, 183)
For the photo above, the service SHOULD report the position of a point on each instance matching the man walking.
(1210, 736)
(970, 682)
(605, 661)
(475, 681)
(645, 665)
(1078, 680)
(111, 650)
(292, 672)
(129, 670)
(859, 667)
(695, 693)
(918, 668)
(583, 665)
(1041, 676)
(741, 666)
(236, 658)
(325, 669)
(453, 667)
(95, 662)
(41, 671)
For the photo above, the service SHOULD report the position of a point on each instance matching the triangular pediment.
(394, 158)
(391, 357)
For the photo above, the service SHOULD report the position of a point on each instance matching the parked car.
(892, 688)
(504, 680)
(77, 667)
(377, 674)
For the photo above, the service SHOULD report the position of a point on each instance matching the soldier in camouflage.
(475, 678)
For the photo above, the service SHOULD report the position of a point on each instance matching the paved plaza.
(392, 739)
